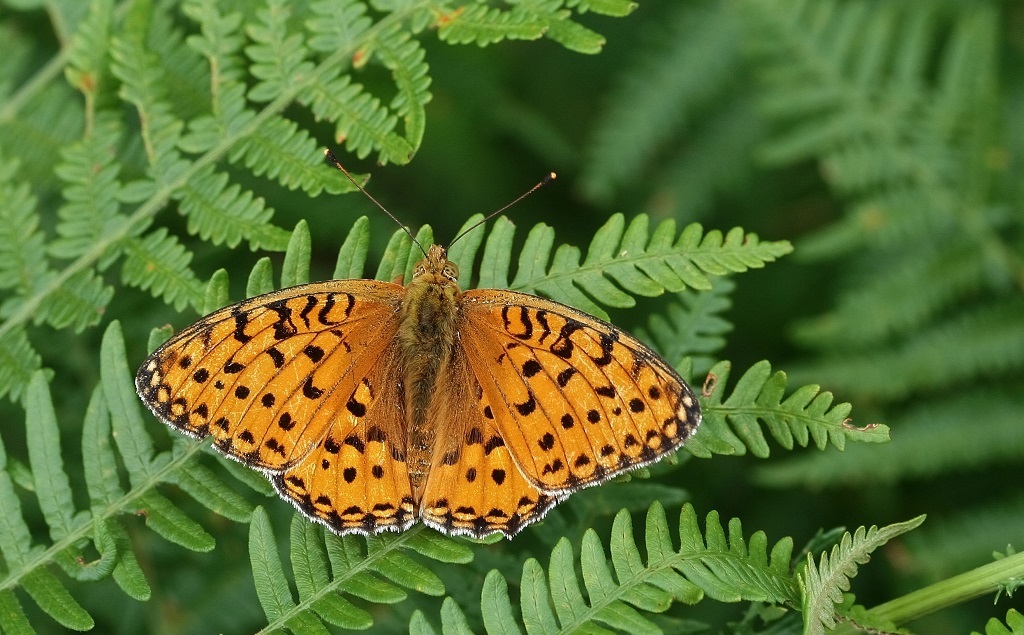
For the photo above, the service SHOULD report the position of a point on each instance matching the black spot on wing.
(563, 346)
(564, 376)
(286, 422)
(277, 357)
(525, 326)
(283, 327)
(310, 391)
(527, 407)
(241, 321)
(607, 346)
(492, 444)
(310, 305)
(355, 442)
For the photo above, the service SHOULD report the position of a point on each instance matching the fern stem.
(949, 592)
(365, 565)
(84, 530)
(51, 71)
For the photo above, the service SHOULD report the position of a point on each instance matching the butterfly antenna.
(336, 163)
(547, 179)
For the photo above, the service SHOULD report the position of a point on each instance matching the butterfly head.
(436, 267)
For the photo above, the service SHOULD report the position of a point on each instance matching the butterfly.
(374, 405)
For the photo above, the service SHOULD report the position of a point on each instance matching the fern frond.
(692, 326)
(885, 125)
(276, 56)
(113, 413)
(931, 441)
(622, 588)
(336, 25)
(281, 150)
(819, 49)
(144, 85)
(733, 425)
(989, 339)
(653, 102)
(93, 190)
(1014, 625)
(617, 8)
(916, 289)
(363, 122)
(405, 58)
(88, 57)
(76, 303)
(224, 213)
(36, 122)
(635, 259)
(483, 25)
(51, 482)
(380, 573)
(220, 41)
(18, 361)
(23, 265)
(159, 263)
(822, 584)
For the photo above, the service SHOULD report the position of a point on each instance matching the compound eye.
(451, 271)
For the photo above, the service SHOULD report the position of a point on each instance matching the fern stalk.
(984, 580)
(159, 476)
(306, 606)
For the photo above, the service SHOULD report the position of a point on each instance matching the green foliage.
(894, 132)
(719, 564)
(823, 583)
(733, 425)
(193, 110)
(147, 147)
(905, 130)
(692, 325)
(1014, 625)
(327, 567)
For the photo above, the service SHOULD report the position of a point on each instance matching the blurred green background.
(884, 139)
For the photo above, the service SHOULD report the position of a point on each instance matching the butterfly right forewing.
(578, 400)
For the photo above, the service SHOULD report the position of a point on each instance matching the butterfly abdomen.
(425, 339)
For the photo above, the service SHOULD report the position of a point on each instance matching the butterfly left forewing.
(299, 383)
(265, 376)
(576, 399)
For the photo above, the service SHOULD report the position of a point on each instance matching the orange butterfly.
(371, 405)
